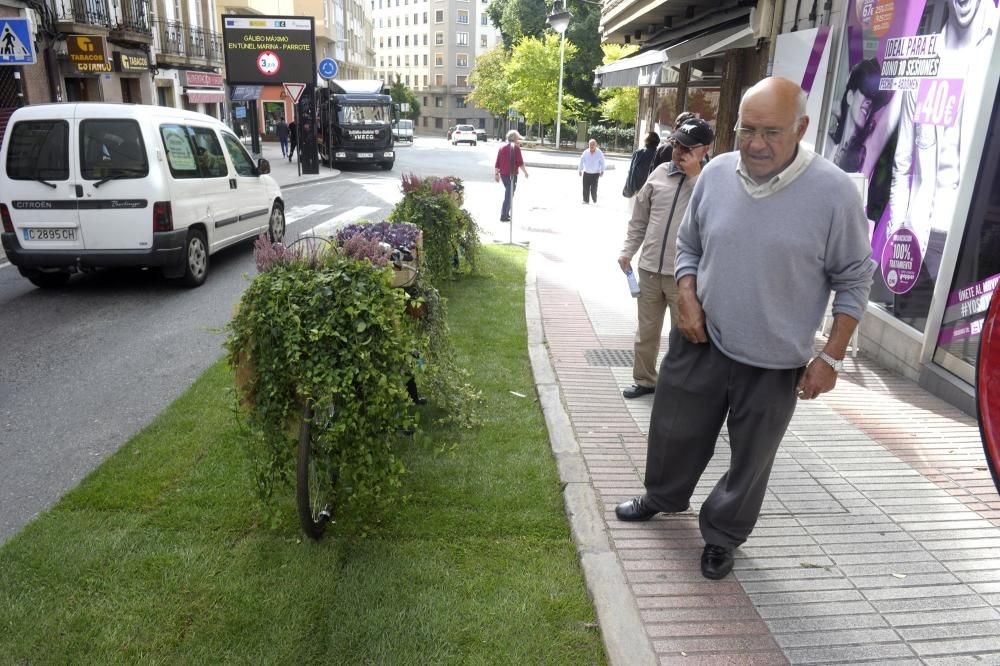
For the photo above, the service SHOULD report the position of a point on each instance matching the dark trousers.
(590, 187)
(509, 187)
(696, 389)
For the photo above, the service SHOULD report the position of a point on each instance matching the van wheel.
(195, 259)
(46, 279)
(276, 228)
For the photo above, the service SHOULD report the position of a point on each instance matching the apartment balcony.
(132, 23)
(84, 17)
(181, 45)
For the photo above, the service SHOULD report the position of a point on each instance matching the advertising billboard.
(911, 80)
(269, 50)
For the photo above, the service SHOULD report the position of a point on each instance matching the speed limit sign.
(268, 63)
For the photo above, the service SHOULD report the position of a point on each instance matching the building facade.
(431, 47)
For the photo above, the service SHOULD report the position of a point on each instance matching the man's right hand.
(625, 263)
(691, 316)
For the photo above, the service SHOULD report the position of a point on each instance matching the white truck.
(402, 130)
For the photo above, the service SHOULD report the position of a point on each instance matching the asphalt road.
(83, 368)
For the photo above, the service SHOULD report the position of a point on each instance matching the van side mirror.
(263, 167)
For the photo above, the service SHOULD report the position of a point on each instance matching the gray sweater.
(765, 267)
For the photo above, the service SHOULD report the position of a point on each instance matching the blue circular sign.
(328, 68)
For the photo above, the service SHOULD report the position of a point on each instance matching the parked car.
(463, 134)
(481, 135)
(402, 130)
(89, 185)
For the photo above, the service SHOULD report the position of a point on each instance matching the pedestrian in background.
(293, 139)
(639, 169)
(657, 212)
(664, 151)
(591, 168)
(743, 348)
(281, 131)
(508, 161)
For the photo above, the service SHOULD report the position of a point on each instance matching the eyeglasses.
(678, 146)
(768, 134)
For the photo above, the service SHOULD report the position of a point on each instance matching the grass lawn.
(159, 556)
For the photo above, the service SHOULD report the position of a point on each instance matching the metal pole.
(562, 50)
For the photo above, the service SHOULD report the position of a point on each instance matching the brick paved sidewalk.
(879, 534)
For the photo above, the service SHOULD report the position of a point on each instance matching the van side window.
(39, 149)
(180, 153)
(238, 154)
(208, 153)
(112, 148)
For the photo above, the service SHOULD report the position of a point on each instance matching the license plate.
(366, 154)
(60, 234)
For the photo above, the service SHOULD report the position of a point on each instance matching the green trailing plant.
(450, 235)
(326, 327)
(447, 385)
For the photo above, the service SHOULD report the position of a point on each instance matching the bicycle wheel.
(313, 493)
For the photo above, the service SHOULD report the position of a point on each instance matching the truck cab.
(355, 124)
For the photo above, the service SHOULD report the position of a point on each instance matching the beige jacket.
(657, 212)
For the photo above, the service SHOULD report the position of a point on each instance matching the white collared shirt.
(803, 157)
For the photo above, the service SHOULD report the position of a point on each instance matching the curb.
(311, 181)
(552, 165)
(625, 640)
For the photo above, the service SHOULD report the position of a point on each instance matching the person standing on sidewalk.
(657, 212)
(769, 231)
(591, 168)
(638, 168)
(281, 131)
(293, 139)
(508, 161)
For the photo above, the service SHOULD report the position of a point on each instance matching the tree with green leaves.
(619, 105)
(518, 19)
(491, 87)
(402, 93)
(534, 75)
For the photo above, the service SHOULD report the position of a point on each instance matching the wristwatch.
(836, 364)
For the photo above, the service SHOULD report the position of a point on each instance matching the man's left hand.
(818, 378)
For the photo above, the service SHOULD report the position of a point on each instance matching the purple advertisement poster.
(913, 73)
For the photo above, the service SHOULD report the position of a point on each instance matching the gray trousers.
(696, 389)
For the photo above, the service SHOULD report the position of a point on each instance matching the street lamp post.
(559, 21)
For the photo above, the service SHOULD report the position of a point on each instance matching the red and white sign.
(202, 79)
(294, 91)
(268, 63)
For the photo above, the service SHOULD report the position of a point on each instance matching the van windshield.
(364, 114)
(39, 150)
(406, 124)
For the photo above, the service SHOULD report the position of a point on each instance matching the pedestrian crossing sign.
(15, 42)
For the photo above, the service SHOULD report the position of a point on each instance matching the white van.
(88, 185)
(402, 130)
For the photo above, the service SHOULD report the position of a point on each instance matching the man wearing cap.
(665, 150)
(657, 212)
(769, 231)
(505, 168)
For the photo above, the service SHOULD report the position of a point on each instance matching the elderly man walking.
(769, 231)
(591, 168)
(657, 212)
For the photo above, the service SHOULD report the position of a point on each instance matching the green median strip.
(162, 556)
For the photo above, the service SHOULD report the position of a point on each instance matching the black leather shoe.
(636, 391)
(635, 510)
(716, 561)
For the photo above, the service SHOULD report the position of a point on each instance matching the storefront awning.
(205, 96)
(707, 45)
(630, 71)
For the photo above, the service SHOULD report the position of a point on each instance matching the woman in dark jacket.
(638, 170)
